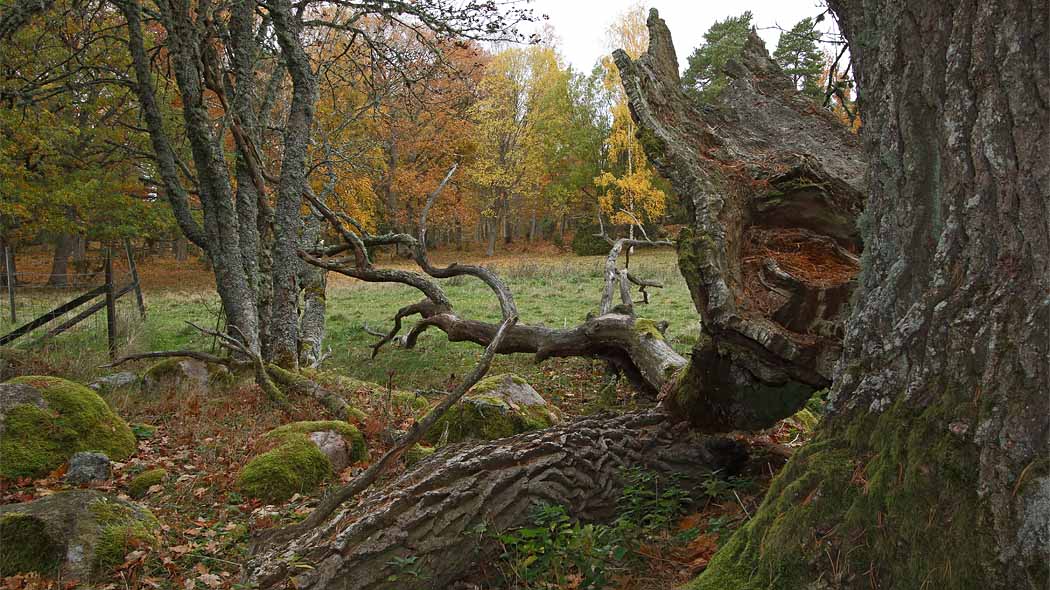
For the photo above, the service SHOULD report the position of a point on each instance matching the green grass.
(556, 292)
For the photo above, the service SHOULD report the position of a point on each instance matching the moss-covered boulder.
(139, 485)
(301, 456)
(45, 420)
(182, 374)
(496, 407)
(78, 535)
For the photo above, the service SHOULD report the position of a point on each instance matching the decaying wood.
(773, 185)
(635, 347)
(435, 512)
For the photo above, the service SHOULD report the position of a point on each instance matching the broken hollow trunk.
(774, 185)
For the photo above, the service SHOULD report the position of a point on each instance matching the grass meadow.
(556, 291)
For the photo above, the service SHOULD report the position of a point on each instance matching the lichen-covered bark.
(765, 175)
(314, 282)
(933, 469)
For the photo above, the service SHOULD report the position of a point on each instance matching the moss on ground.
(295, 465)
(140, 484)
(121, 529)
(38, 440)
(897, 514)
(25, 547)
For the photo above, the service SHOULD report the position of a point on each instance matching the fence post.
(111, 307)
(135, 279)
(10, 266)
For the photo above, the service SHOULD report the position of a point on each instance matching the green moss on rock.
(295, 464)
(140, 484)
(37, 440)
(406, 401)
(496, 407)
(122, 529)
(80, 534)
(358, 449)
(25, 546)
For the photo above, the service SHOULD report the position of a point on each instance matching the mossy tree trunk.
(772, 185)
(933, 470)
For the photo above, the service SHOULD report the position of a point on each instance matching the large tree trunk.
(933, 469)
(773, 186)
(433, 513)
(64, 246)
(314, 283)
(284, 325)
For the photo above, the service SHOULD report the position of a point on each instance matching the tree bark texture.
(932, 470)
(250, 243)
(434, 512)
(314, 283)
(65, 244)
(284, 324)
(773, 187)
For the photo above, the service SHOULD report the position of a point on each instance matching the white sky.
(581, 24)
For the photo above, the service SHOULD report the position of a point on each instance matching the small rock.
(959, 428)
(115, 381)
(85, 467)
(334, 446)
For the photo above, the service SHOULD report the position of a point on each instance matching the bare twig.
(157, 354)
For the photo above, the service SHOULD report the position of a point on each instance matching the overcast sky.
(581, 24)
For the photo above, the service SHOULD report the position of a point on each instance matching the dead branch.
(159, 354)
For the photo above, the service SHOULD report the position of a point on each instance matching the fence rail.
(109, 292)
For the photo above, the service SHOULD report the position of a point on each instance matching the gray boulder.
(182, 374)
(86, 467)
(115, 381)
(78, 535)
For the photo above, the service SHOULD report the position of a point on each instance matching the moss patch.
(37, 440)
(358, 449)
(648, 329)
(121, 530)
(417, 453)
(295, 464)
(140, 484)
(406, 401)
(25, 546)
(887, 497)
(483, 415)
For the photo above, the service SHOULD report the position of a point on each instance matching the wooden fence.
(86, 304)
